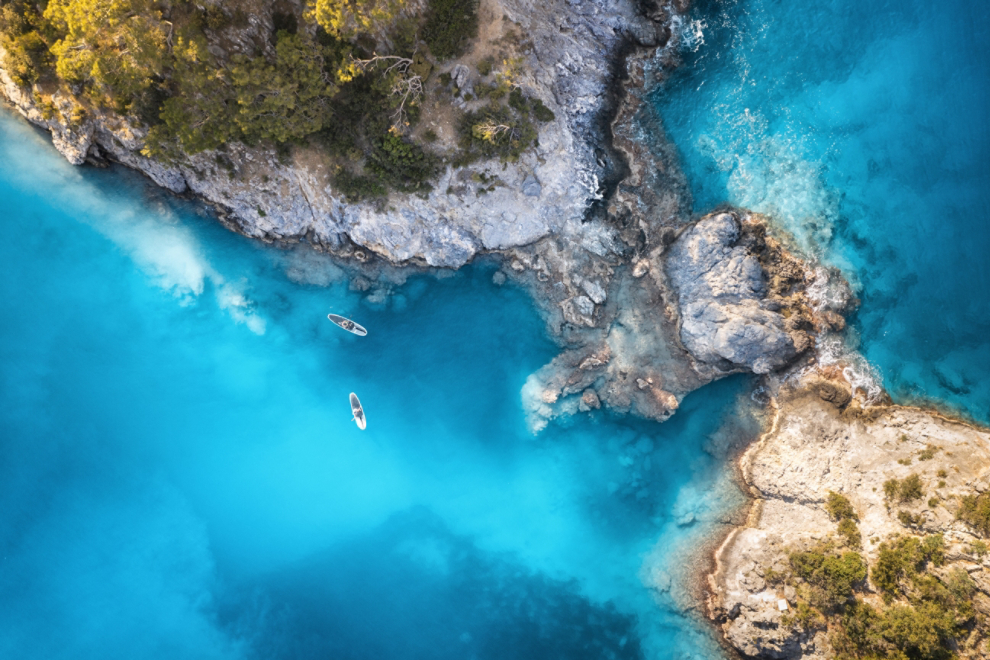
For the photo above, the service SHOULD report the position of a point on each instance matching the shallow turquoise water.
(181, 478)
(862, 127)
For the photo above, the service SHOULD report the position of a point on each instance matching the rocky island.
(423, 135)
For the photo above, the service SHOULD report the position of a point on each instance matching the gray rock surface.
(721, 293)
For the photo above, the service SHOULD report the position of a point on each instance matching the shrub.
(928, 453)
(849, 531)
(978, 548)
(542, 113)
(450, 24)
(904, 558)
(356, 187)
(518, 102)
(485, 66)
(116, 48)
(495, 131)
(214, 18)
(400, 163)
(974, 510)
(839, 507)
(347, 19)
(918, 632)
(804, 616)
(831, 576)
(891, 488)
(909, 520)
(899, 633)
(911, 488)
(941, 474)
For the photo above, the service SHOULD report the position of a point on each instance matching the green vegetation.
(351, 82)
(900, 632)
(924, 617)
(910, 488)
(928, 453)
(25, 35)
(115, 49)
(974, 510)
(450, 24)
(979, 548)
(347, 19)
(849, 531)
(941, 474)
(908, 519)
(249, 101)
(831, 576)
(905, 558)
(839, 507)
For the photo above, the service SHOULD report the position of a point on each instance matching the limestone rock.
(815, 447)
(721, 289)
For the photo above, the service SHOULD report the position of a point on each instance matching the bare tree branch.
(408, 88)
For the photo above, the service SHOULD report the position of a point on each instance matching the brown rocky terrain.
(823, 441)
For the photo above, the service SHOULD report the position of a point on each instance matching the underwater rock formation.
(721, 297)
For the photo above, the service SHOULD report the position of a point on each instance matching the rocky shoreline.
(595, 226)
(823, 442)
(647, 302)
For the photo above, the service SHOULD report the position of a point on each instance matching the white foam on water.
(151, 235)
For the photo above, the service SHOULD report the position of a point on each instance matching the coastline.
(631, 190)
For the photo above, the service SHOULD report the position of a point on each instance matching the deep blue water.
(862, 128)
(181, 478)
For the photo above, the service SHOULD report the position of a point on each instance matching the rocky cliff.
(570, 53)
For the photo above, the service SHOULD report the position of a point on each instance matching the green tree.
(284, 100)
(116, 47)
(252, 100)
(22, 30)
(348, 18)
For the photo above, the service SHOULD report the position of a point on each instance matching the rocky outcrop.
(719, 298)
(727, 320)
(820, 441)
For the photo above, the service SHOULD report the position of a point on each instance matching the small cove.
(182, 478)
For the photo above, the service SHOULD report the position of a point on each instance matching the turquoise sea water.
(181, 478)
(862, 128)
(180, 475)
